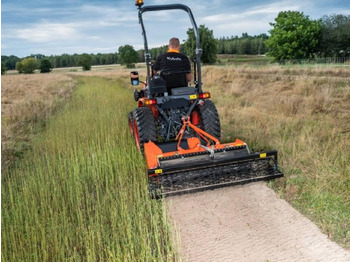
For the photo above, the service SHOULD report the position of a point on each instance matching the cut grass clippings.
(81, 193)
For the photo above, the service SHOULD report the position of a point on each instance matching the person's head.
(174, 43)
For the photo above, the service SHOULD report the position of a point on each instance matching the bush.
(19, 67)
(128, 56)
(3, 68)
(45, 66)
(27, 65)
(85, 61)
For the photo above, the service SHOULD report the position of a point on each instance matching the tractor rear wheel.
(131, 122)
(144, 126)
(209, 119)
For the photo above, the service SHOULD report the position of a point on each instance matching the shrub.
(27, 65)
(45, 66)
(85, 61)
(3, 68)
(128, 56)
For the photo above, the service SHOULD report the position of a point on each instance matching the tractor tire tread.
(210, 119)
(146, 125)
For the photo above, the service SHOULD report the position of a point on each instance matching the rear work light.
(204, 95)
(149, 102)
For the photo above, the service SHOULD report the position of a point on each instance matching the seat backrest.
(174, 78)
(157, 85)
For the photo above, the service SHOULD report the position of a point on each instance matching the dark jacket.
(172, 60)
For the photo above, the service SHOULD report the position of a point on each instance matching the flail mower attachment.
(186, 165)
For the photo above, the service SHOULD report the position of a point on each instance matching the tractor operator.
(173, 59)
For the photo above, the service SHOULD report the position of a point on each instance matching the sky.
(55, 27)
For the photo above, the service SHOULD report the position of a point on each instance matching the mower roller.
(178, 129)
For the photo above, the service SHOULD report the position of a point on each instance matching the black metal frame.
(240, 158)
(196, 33)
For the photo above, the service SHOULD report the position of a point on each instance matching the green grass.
(81, 193)
(317, 171)
(239, 60)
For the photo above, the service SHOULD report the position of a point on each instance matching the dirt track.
(247, 223)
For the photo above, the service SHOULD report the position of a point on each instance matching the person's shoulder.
(185, 57)
(182, 54)
(162, 56)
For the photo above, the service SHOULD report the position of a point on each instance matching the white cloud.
(253, 20)
(40, 33)
(68, 26)
(108, 14)
(273, 9)
(261, 11)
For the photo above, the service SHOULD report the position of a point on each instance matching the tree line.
(64, 60)
(293, 36)
(244, 45)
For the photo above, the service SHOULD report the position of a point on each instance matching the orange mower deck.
(186, 165)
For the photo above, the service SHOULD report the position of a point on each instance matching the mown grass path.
(81, 194)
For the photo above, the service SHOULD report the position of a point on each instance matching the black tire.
(144, 126)
(131, 122)
(209, 119)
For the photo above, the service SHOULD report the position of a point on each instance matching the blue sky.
(101, 26)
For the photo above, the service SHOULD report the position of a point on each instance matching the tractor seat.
(174, 78)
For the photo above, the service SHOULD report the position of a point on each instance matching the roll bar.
(196, 33)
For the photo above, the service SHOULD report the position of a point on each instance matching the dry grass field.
(26, 102)
(303, 112)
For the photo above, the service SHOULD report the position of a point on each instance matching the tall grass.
(81, 193)
(27, 101)
(304, 113)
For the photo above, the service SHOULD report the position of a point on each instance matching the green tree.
(27, 65)
(19, 67)
(245, 46)
(45, 66)
(294, 36)
(3, 68)
(128, 56)
(10, 61)
(209, 44)
(335, 40)
(85, 61)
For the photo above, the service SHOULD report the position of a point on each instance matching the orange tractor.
(178, 129)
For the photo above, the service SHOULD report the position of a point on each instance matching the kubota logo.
(174, 58)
